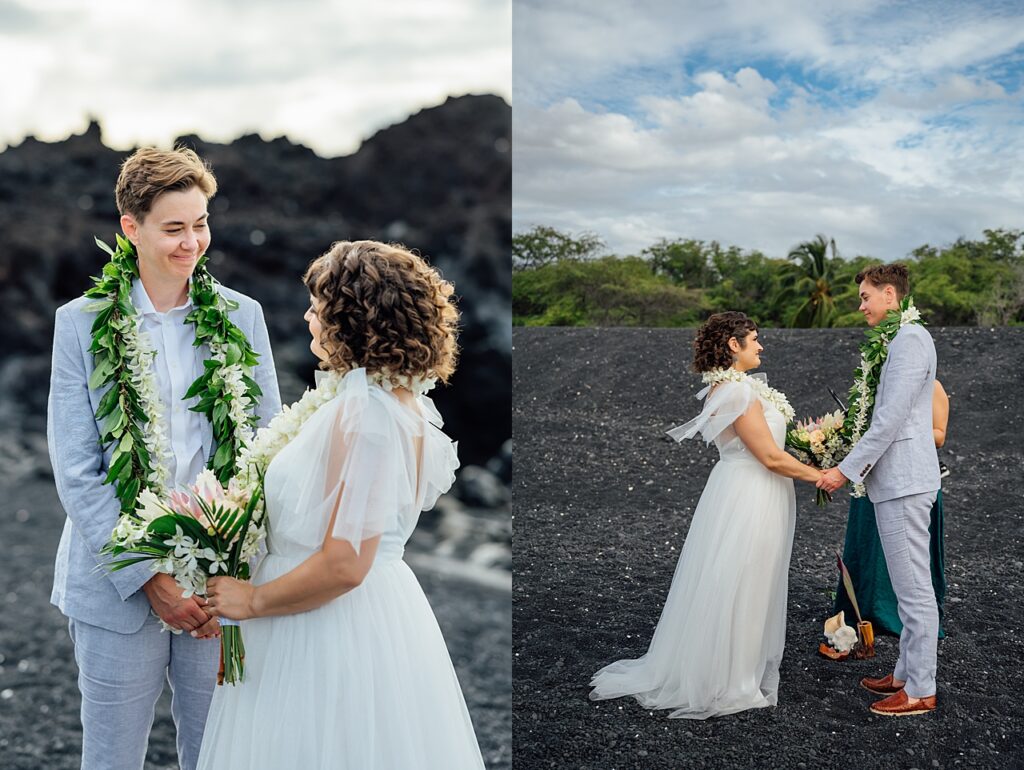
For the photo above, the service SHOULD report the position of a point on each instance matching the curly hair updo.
(711, 346)
(384, 308)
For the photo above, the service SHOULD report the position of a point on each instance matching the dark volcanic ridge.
(439, 182)
(602, 503)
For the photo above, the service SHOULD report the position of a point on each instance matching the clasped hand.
(831, 480)
(175, 610)
(229, 597)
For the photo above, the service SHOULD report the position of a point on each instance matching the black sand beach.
(39, 700)
(602, 502)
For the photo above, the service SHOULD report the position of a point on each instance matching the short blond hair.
(149, 172)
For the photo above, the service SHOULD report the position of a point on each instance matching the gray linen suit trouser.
(121, 677)
(903, 530)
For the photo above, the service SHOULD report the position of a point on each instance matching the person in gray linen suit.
(114, 618)
(897, 462)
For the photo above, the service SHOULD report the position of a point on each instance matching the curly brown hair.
(149, 172)
(896, 274)
(711, 345)
(384, 308)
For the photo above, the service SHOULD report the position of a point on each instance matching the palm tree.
(809, 280)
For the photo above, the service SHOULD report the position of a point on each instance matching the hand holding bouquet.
(195, 535)
(819, 443)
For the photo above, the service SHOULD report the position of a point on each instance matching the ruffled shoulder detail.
(440, 457)
(359, 466)
(382, 475)
(729, 401)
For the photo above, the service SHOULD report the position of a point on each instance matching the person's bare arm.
(329, 573)
(940, 414)
(756, 435)
(332, 571)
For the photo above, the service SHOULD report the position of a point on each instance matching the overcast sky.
(885, 125)
(326, 73)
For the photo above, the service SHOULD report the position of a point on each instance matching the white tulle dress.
(365, 681)
(719, 641)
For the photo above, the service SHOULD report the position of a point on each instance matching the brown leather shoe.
(882, 686)
(899, 705)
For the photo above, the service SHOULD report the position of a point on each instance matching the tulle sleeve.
(371, 471)
(358, 467)
(729, 401)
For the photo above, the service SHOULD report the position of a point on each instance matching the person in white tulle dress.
(718, 644)
(345, 664)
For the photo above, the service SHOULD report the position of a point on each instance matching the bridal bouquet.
(209, 530)
(821, 443)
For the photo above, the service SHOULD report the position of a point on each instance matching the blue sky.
(326, 73)
(885, 125)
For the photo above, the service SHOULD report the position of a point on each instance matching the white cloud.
(327, 74)
(778, 128)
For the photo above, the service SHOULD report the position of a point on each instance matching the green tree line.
(560, 279)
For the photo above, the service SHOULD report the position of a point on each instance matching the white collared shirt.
(176, 367)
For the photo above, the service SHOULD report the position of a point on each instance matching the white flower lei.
(240, 404)
(130, 414)
(270, 440)
(139, 357)
(774, 397)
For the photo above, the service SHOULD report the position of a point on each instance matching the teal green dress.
(862, 553)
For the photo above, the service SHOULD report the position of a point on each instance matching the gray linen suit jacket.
(896, 456)
(81, 589)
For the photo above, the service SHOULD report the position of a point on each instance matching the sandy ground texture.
(39, 700)
(602, 503)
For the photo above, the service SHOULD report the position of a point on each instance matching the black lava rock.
(602, 501)
(440, 182)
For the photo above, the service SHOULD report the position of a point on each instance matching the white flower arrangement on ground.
(774, 397)
(842, 639)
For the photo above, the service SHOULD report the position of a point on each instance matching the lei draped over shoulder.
(729, 401)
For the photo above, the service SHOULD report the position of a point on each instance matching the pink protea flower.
(183, 503)
(208, 487)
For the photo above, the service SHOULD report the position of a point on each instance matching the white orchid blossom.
(139, 357)
(180, 542)
(219, 563)
(165, 565)
(909, 315)
(149, 508)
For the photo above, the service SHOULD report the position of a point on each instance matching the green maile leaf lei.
(130, 413)
(873, 353)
